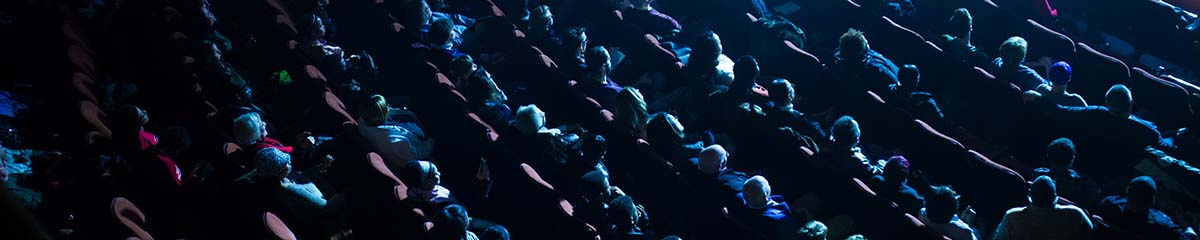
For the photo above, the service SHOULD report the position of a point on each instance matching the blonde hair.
(375, 111)
(1012, 51)
(631, 109)
(527, 119)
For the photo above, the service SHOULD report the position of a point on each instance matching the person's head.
(1012, 51)
(420, 174)
(640, 3)
(856, 237)
(575, 39)
(712, 159)
(783, 29)
(941, 204)
(593, 186)
(313, 26)
(451, 223)
(495, 232)
(896, 170)
(1060, 73)
(781, 92)
(664, 128)
(271, 163)
(417, 14)
(961, 23)
(1141, 194)
(853, 45)
(597, 60)
(480, 88)
(706, 52)
(745, 73)
(462, 67)
(813, 230)
(249, 128)
(441, 32)
(631, 109)
(1043, 192)
(757, 192)
(540, 19)
(1061, 154)
(593, 147)
(375, 110)
(530, 119)
(910, 76)
(845, 132)
(624, 214)
(1119, 100)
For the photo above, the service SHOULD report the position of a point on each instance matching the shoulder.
(1071, 209)
(1014, 211)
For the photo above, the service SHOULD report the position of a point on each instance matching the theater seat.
(1094, 72)
(276, 227)
(337, 106)
(533, 176)
(1160, 101)
(96, 118)
(131, 217)
(81, 59)
(1044, 42)
(83, 85)
(75, 35)
(898, 43)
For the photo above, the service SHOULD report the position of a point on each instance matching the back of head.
(416, 14)
(1012, 51)
(813, 230)
(781, 92)
(745, 72)
(783, 29)
(247, 128)
(910, 76)
(757, 192)
(853, 45)
(451, 223)
(706, 51)
(495, 232)
(529, 119)
(594, 185)
(540, 18)
(597, 59)
(1061, 153)
(664, 128)
(480, 88)
(623, 213)
(897, 169)
(312, 26)
(593, 147)
(631, 109)
(462, 66)
(941, 204)
(1141, 194)
(441, 31)
(375, 110)
(575, 37)
(414, 173)
(1119, 100)
(845, 131)
(272, 163)
(1043, 192)
(1060, 73)
(961, 22)
(712, 159)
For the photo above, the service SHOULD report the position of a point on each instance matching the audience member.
(669, 142)
(629, 219)
(939, 214)
(650, 20)
(766, 214)
(893, 185)
(862, 67)
(441, 41)
(920, 103)
(783, 113)
(1010, 66)
(570, 57)
(630, 116)
(1060, 155)
(843, 158)
(1134, 215)
(717, 184)
(294, 197)
(486, 98)
(957, 40)
(813, 230)
(451, 223)
(1060, 76)
(425, 191)
(596, 83)
(396, 143)
(1044, 218)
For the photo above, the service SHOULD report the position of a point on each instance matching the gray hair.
(247, 129)
(271, 162)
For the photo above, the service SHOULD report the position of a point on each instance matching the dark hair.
(845, 129)
(1141, 191)
(745, 73)
(573, 37)
(961, 22)
(592, 183)
(1061, 153)
(1043, 193)
(941, 204)
(595, 57)
(451, 223)
(896, 167)
(495, 232)
(784, 29)
(910, 76)
(620, 209)
(781, 92)
(593, 147)
(440, 31)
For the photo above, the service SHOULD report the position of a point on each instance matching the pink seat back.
(98, 119)
(533, 176)
(277, 228)
(131, 217)
(82, 60)
(83, 85)
(336, 105)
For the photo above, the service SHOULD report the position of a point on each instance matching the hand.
(616, 191)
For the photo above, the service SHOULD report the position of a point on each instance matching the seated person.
(629, 219)
(152, 167)
(424, 186)
(297, 200)
(451, 223)
(766, 214)
(541, 147)
(485, 97)
(591, 204)
(569, 57)
(939, 214)
(397, 144)
(919, 103)
(541, 32)
(1060, 76)
(957, 40)
(1060, 155)
(327, 57)
(441, 41)
(783, 114)
(1010, 66)
(843, 158)
(716, 183)
(1134, 215)
(861, 66)
(596, 83)
(670, 143)
(1044, 218)
(893, 185)
(649, 20)
(813, 230)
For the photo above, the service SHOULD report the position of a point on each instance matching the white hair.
(529, 119)
(757, 192)
(247, 129)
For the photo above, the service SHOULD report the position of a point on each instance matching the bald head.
(712, 159)
(1119, 100)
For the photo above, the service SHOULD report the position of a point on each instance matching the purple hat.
(1060, 73)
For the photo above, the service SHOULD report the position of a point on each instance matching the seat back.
(81, 59)
(1094, 72)
(898, 43)
(1160, 101)
(276, 227)
(336, 105)
(131, 217)
(83, 86)
(1044, 42)
(95, 117)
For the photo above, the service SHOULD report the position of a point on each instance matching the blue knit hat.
(1060, 73)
